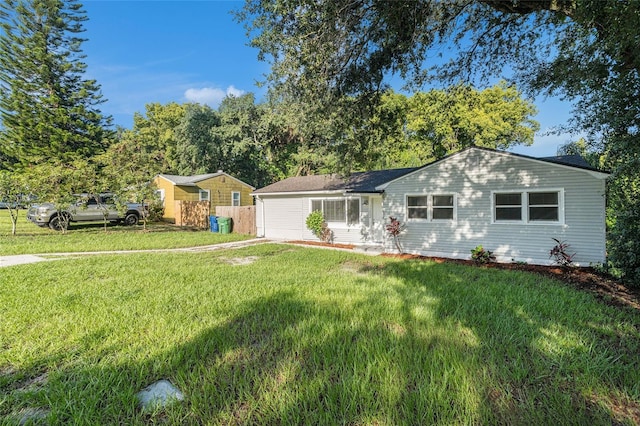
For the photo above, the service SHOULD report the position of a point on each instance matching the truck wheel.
(58, 224)
(131, 219)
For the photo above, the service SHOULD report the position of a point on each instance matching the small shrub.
(394, 228)
(624, 239)
(560, 255)
(607, 269)
(315, 223)
(482, 256)
(155, 211)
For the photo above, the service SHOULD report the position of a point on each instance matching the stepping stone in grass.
(159, 395)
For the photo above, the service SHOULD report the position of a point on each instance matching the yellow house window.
(204, 195)
(235, 199)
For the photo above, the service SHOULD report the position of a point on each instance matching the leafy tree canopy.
(584, 50)
(432, 124)
(327, 49)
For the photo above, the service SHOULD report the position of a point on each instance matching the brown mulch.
(321, 244)
(606, 288)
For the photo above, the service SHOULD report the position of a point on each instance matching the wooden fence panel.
(243, 219)
(192, 213)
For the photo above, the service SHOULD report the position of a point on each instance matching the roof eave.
(593, 172)
(333, 191)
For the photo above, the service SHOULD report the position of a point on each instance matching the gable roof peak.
(194, 179)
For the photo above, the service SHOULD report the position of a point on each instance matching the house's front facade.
(510, 204)
(220, 189)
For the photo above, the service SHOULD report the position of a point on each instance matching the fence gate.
(243, 219)
(192, 213)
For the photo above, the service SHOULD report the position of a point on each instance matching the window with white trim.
(159, 193)
(235, 199)
(528, 206)
(544, 206)
(431, 207)
(508, 206)
(417, 207)
(442, 207)
(338, 210)
(204, 195)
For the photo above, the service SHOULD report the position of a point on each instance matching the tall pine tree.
(49, 112)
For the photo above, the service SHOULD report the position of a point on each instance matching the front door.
(377, 220)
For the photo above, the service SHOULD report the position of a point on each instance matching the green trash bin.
(224, 225)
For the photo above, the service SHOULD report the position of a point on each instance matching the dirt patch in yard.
(240, 260)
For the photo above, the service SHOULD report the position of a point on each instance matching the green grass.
(32, 239)
(310, 336)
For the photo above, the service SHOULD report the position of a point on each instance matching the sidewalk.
(21, 259)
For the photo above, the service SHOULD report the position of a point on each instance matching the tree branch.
(524, 7)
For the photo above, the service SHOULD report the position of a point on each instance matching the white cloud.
(211, 96)
(232, 91)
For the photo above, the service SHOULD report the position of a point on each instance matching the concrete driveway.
(21, 259)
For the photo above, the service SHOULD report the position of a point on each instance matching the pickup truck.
(88, 208)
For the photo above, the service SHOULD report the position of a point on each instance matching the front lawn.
(278, 334)
(32, 239)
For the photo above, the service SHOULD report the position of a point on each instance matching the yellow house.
(219, 188)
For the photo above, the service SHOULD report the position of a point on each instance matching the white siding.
(284, 218)
(472, 176)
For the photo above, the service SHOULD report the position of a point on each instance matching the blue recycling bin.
(213, 223)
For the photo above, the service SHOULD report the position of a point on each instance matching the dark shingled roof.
(359, 182)
(363, 182)
(569, 160)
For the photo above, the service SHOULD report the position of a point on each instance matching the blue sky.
(193, 51)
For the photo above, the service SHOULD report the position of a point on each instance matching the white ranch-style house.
(511, 204)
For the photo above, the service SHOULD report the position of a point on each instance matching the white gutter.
(338, 191)
(264, 227)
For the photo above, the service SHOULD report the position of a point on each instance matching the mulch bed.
(321, 244)
(602, 286)
(588, 279)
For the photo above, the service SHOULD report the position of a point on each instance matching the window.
(417, 207)
(235, 199)
(508, 206)
(442, 207)
(338, 210)
(107, 199)
(538, 206)
(204, 195)
(334, 210)
(543, 206)
(353, 211)
(433, 207)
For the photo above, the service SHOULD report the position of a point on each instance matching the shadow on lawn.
(537, 360)
(284, 360)
(441, 345)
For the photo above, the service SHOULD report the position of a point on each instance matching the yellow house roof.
(193, 180)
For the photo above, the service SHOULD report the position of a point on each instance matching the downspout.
(261, 215)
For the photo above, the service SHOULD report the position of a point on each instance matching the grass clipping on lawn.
(306, 336)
